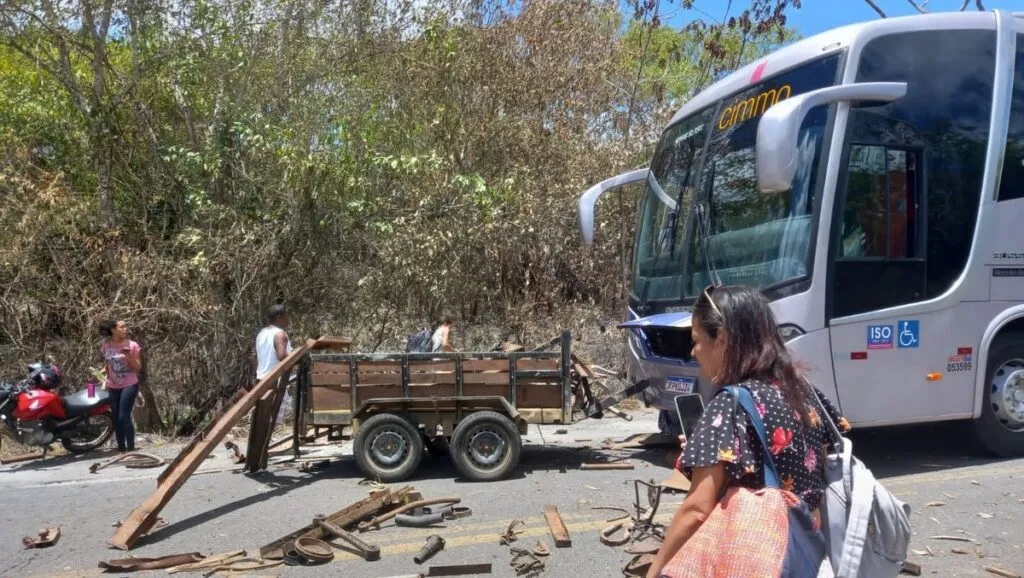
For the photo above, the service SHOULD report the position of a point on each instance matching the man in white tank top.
(272, 343)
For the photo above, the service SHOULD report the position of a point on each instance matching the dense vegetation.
(184, 164)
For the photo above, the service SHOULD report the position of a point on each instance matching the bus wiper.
(704, 228)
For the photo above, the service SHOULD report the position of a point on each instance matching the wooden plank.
(431, 366)
(379, 366)
(432, 379)
(258, 447)
(365, 392)
(379, 379)
(545, 396)
(328, 398)
(196, 439)
(474, 365)
(558, 530)
(316, 379)
(143, 518)
(486, 378)
(538, 364)
(419, 391)
(482, 390)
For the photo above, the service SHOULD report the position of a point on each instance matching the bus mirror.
(779, 127)
(589, 199)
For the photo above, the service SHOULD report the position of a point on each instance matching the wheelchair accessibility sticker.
(908, 333)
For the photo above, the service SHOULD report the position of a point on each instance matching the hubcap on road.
(1008, 395)
(388, 447)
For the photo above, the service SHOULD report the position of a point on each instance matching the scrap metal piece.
(433, 545)
(607, 466)
(207, 562)
(607, 535)
(639, 565)
(369, 552)
(376, 522)
(22, 458)
(134, 460)
(140, 564)
(459, 570)
(421, 521)
(45, 538)
(314, 550)
(525, 563)
(510, 534)
(541, 550)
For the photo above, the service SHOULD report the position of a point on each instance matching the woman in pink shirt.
(122, 364)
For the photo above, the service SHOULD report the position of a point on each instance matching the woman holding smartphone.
(122, 364)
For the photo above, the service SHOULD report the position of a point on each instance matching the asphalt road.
(952, 494)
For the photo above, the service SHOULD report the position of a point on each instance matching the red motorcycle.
(35, 415)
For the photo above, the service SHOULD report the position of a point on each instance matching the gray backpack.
(866, 527)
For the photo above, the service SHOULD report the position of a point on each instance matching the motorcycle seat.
(80, 402)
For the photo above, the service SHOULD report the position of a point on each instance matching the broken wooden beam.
(264, 419)
(558, 530)
(21, 458)
(142, 519)
(345, 517)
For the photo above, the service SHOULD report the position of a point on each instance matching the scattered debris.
(955, 538)
(561, 431)
(309, 551)
(985, 515)
(608, 466)
(511, 535)
(525, 563)
(376, 522)
(557, 527)
(460, 570)
(1000, 572)
(22, 458)
(208, 562)
(140, 564)
(375, 503)
(44, 539)
(959, 551)
(236, 453)
(433, 545)
(976, 482)
(935, 504)
(132, 460)
(911, 569)
(639, 565)
(369, 552)
(541, 550)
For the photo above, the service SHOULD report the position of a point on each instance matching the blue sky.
(818, 15)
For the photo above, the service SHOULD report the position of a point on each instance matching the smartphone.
(689, 406)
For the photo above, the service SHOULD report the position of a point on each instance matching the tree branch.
(917, 7)
(872, 4)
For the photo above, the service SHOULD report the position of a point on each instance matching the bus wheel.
(1001, 425)
(485, 446)
(388, 448)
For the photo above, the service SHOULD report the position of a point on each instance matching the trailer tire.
(1000, 428)
(388, 448)
(485, 446)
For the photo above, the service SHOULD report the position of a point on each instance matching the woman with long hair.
(736, 341)
(122, 363)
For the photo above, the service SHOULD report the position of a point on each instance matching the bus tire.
(388, 448)
(1000, 428)
(485, 446)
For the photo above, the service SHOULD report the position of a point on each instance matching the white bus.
(870, 180)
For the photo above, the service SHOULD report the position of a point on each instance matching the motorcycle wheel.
(94, 435)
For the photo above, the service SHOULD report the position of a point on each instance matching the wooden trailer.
(396, 405)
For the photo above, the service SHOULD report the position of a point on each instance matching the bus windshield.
(748, 237)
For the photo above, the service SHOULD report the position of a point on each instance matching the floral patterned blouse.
(723, 435)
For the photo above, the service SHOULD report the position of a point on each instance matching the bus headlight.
(790, 332)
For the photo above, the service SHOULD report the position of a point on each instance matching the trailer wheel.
(485, 446)
(1001, 424)
(388, 448)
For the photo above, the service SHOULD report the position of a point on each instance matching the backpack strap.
(746, 401)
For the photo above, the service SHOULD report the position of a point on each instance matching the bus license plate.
(680, 384)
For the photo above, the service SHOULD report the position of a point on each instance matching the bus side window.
(926, 148)
(1012, 184)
